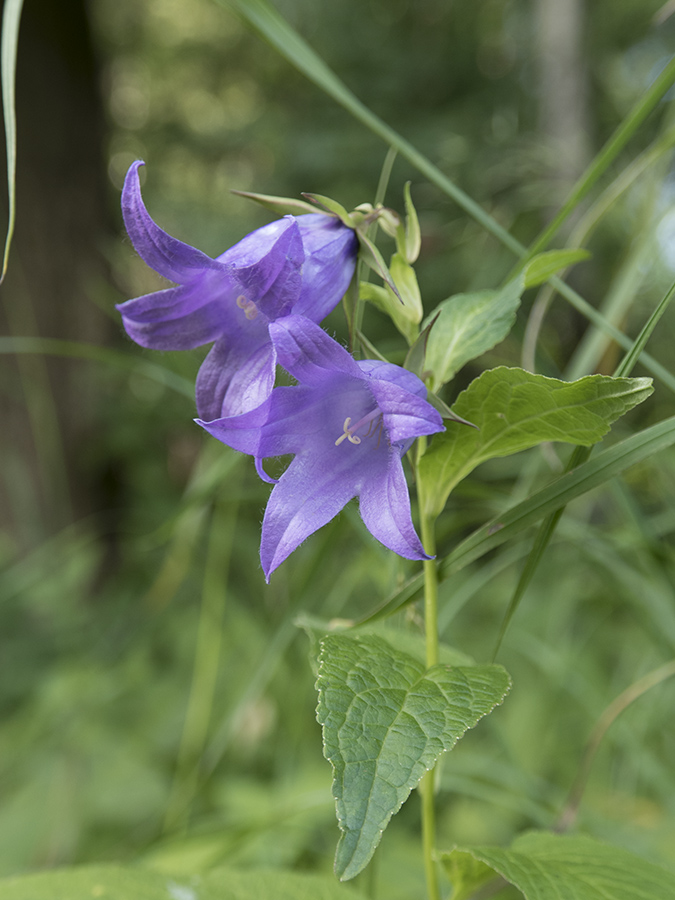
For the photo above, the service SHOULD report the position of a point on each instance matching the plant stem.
(431, 629)
(430, 591)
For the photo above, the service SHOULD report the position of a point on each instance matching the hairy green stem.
(431, 629)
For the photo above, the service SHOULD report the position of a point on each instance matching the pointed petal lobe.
(308, 353)
(307, 497)
(173, 259)
(385, 508)
(273, 282)
(405, 415)
(235, 379)
(330, 261)
(178, 318)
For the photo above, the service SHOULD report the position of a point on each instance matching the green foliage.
(134, 883)
(11, 18)
(547, 866)
(514, 410)
(386, 720)
(110, 746)
(467, 325)
(404, 308)
(541, 267)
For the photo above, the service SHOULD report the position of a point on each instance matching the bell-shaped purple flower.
(347, 424)
(298, 264)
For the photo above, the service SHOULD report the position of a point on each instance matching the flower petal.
(235, 377)
(386, 371)
(307, 497)
(273, 282)
(384, 505)
(277, 427)
(182, 317)
(405, 415)
(330, 260)
(173, 259)
(308, 353)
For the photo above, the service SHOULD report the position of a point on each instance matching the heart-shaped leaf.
(547, 866)
(514, 410)
(386, 720)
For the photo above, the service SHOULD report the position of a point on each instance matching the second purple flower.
(347, 425)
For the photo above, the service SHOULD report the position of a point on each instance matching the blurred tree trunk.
(563, 91)
(56, 265)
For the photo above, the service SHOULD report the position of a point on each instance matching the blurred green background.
(156, 697)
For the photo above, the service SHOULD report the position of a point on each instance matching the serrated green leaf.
(468, 325)
(546, 866)
(135, 883)
(540, 268)
(278, 205)
(514, 410)
(385, 722)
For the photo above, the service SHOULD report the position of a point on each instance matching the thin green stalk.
(430, 591)
(427, 785)
(362, 271)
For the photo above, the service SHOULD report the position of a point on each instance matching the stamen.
(374, 422)
(352, 438)
(249, 307)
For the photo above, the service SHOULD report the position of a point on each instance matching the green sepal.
(332, 207)
(415, 358)
(384, 300)
(279, 205)
(410, 241)
(372, 257)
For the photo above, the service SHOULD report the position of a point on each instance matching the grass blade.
(94, 353)
(11, 18)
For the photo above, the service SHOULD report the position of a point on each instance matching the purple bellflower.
(298, 264)
(348, 425)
